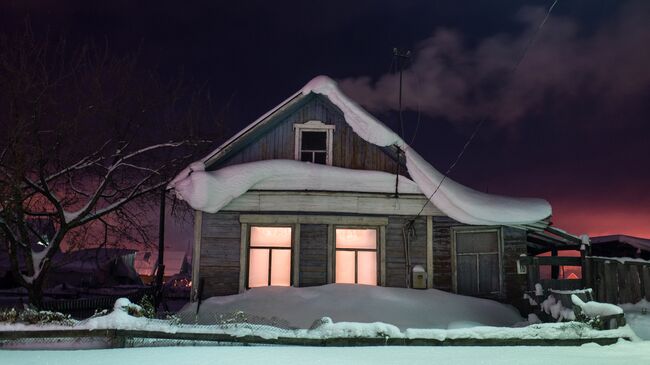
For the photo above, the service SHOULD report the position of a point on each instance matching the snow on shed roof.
(211, 191)
(636, 242)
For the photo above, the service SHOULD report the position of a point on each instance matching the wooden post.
(634, 281)
(601, 289)
(555, 269)
(429, 252)
(587, 269)
(160, 270)
(611, 282)
(645, 280)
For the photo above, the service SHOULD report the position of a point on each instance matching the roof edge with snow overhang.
(212, 190)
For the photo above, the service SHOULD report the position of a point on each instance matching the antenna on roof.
(399, 58)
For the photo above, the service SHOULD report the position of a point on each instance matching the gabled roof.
(211, 191)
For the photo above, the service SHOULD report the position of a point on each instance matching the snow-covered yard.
(403, 308)
(621, 353)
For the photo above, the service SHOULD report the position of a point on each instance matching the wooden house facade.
(302, 236)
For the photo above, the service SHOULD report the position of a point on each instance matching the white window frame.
(314, 126)
(465, 230)
(246, 249)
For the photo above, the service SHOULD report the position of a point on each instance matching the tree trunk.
(35, 292)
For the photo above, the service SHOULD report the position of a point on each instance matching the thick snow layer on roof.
(455, 200)
(209, 191)
(403, 308)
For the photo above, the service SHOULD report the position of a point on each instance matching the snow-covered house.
(318, 191)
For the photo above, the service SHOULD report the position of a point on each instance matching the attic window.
(313, 142)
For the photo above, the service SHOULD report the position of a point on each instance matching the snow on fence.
(123, 338)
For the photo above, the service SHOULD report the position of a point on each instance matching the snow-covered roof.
(636, 242)
(211, 191)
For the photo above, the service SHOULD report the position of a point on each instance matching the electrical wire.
(512, 72)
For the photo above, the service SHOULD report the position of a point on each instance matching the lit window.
(356, 256)
(477, 263)
(269, 257)
(314, 142)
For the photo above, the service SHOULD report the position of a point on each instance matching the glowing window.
(269, 257)
(356, 256)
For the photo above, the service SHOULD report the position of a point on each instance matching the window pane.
(314, 140)
(306, 156)
(281, 267)
(356, 238)
(345, 267)
(271, 236)
(367, 267)
(320, 157)
(488, 273)
(258, 268)
(466, 278)
(473, 242)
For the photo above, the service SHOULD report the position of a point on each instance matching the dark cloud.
(448, 78)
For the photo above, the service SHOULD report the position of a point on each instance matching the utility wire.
(512, 72)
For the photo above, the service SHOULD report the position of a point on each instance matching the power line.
(512, 72)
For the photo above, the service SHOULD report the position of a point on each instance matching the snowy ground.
(638, 317)
(403, 308)
(621, 353)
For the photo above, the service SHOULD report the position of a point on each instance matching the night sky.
(571, 126)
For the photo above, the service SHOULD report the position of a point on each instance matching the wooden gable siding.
(349, 150)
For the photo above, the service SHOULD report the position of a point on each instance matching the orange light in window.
(271, 236)
(258, 272)
(345, 267)
(356, 238)
(367, 267)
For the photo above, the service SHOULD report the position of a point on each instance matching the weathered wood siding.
(514, 285)
(395, 256)
(349, 150)
(313, 254)
(442, 274)
(220, 242)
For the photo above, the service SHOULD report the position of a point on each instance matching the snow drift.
(211, 191)
(403, 308)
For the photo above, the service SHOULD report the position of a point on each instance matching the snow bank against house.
(213, 190)
(403, 308)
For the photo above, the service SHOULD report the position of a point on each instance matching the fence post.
(116, 339)
(587, 270)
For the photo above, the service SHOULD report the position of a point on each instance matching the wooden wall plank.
(313, 254)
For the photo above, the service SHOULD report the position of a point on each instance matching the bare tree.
(85, 136)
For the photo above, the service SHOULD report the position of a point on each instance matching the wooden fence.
(612, 280)
(112, 338)
(616, 282)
